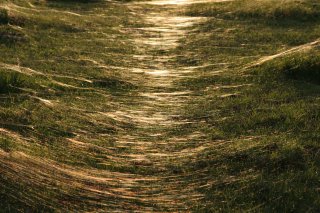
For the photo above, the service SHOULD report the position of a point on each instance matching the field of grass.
(81, 130)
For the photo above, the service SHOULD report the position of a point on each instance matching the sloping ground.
(258, 89)
(110, 106)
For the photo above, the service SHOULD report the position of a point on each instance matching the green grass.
(6, 145)
(9, 82)
(275, 169)
(60, 65)
(65, 69)
(270, 120)
(303, 67)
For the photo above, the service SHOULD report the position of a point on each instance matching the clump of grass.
(6, 145)
(8, 35)
(9, 82)
(302, 66)
(4, 16)
(279, 101)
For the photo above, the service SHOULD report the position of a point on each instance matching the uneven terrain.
(159, 106)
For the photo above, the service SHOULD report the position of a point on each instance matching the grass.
(6, 144)
(287, 100)
(60, 67)
(267, 114)
(9, 82)
(280, 155)
(303, 67)
(4, 16)
(270, 10)
(69, 139)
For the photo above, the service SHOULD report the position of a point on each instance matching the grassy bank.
(262, 105)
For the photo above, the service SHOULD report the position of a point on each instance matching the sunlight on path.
(162, 35)
(159, 108)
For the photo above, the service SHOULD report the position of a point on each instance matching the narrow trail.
(156, 112)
